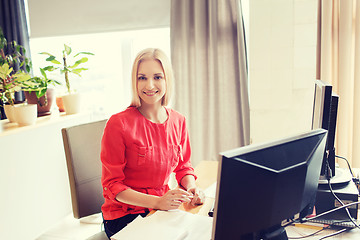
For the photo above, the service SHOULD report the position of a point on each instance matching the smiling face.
(151, 84)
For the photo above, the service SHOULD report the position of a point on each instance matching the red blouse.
(139, 154)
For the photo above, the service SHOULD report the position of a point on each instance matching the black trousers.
(113, 226)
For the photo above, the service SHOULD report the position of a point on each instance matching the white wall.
(35, 190)
(282, 66)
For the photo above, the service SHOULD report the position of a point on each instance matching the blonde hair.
(159, 55)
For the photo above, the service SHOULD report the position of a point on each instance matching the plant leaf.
(56, 62)
(82, 60)
(18, 48)
(46, 53)
(50, 68)
(55, 82)
(88, 53)
(78, 62)
(41, 93)
(53, 60)
(49, 59)
(21, 77)
(67, 49)
(42, 71)
(77, 71)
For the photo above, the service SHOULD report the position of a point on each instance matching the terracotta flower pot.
(44, 104)
(60, 104)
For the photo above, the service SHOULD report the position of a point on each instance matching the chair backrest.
(82, 145)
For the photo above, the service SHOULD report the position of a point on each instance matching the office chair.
(82, 150)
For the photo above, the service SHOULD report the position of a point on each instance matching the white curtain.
(208, 54)
(338, 64)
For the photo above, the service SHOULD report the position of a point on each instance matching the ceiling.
(69, 17)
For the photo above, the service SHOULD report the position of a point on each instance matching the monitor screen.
(324, 116)
(261, 185)
(322, 103)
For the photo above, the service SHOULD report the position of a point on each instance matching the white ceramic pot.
(25, 114)
(9, 112)
(72, 103)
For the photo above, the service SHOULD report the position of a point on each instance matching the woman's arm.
(171, 200)
(187, 182)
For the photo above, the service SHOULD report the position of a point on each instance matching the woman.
(142, 146)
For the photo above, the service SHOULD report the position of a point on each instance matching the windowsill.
(13, 128)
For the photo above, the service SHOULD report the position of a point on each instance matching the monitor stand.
(342, 177)
(274, 233)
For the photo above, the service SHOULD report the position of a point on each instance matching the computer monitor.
(260, 185)
(324, 116)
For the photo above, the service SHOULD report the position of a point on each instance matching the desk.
(207, 175)
(206, 172)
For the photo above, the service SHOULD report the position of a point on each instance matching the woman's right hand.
(173, 199)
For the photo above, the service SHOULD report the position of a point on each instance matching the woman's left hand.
(198, 196)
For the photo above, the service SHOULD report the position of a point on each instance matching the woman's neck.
(154, 113)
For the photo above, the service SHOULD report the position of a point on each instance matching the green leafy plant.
(11, 83)
(13, 54)
(12, 77)
(70, 63)
(40, 85)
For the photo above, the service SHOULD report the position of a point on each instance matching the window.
(106, 86)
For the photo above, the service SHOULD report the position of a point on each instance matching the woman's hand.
(198, 196)
(173, 199)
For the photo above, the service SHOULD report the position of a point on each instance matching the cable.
(328, 176)
(303, 220)
(342, 204)
(334, 234)
(312, 234)
(355, 179)
(352, 174)
(330, 211)
(336, 197)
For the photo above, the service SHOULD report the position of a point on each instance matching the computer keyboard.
(339, 223)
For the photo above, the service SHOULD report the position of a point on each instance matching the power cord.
(342, 204)
(345, 206)
(333, 193)
(312, 234)
(356, 180)
(328, 212)
(303, 220)
(335, 233)
(352, 174)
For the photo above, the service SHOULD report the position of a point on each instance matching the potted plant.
(41, 92)
(70, 64)
(12, 77)
(10, 83)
